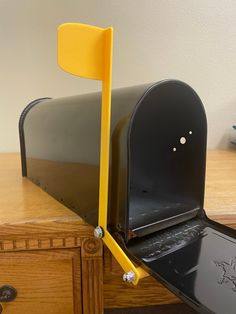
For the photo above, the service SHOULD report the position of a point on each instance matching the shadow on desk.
(161, 309)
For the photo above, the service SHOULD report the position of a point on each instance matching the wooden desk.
(49, 255)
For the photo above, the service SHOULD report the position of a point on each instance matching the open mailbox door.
(155, 195)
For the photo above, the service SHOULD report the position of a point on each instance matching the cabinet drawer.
(46, 281)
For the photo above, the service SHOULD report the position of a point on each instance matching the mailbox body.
(61, 146)
(156, 182)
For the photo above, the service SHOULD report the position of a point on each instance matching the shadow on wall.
(228, 140)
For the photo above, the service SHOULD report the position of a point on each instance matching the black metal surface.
(7, 293)
(60, 144)
(166, 178)
(21, 133)
(196, 260)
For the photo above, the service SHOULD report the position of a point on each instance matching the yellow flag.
(83, 50)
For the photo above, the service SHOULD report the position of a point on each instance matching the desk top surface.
(22, 203)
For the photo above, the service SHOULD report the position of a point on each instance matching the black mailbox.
(156, 182)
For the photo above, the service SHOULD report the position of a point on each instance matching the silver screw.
(129, 276)
(98, 232)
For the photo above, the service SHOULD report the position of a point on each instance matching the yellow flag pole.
(86, 51)
(105, 130)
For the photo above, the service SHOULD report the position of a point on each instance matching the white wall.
(190, 40)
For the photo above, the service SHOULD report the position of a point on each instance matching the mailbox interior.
(167, 152)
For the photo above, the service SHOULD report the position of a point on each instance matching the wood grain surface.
(220, 187)
(46, 281)
(92, 276)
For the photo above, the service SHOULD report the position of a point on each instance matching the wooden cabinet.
(46, 281)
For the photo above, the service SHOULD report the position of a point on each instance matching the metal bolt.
(98, 232)
(129, 276)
